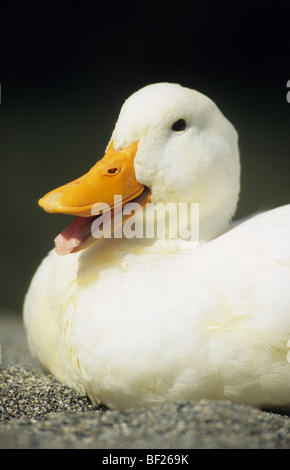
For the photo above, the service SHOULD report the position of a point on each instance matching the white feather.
(140, 321)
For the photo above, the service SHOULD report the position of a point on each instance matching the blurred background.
(67, 66)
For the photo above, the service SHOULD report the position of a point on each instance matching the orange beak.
(111, 176)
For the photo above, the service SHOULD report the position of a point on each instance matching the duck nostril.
(112, 171)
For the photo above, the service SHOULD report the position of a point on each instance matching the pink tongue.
(73, 236)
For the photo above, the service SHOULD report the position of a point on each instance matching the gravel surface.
(38, 412)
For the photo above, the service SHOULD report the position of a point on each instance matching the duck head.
(170, 144)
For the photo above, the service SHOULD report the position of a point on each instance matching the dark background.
(67, 66)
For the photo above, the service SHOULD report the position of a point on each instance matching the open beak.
(94, 193)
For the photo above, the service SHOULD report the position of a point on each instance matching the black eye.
(179, 125)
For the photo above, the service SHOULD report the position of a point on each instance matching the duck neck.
(213, 226)
(177, 221)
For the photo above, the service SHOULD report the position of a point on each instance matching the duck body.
(208, 322)
(134, 322)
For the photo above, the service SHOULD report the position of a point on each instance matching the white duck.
(133, 322)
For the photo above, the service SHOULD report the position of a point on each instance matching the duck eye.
(179, 125)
